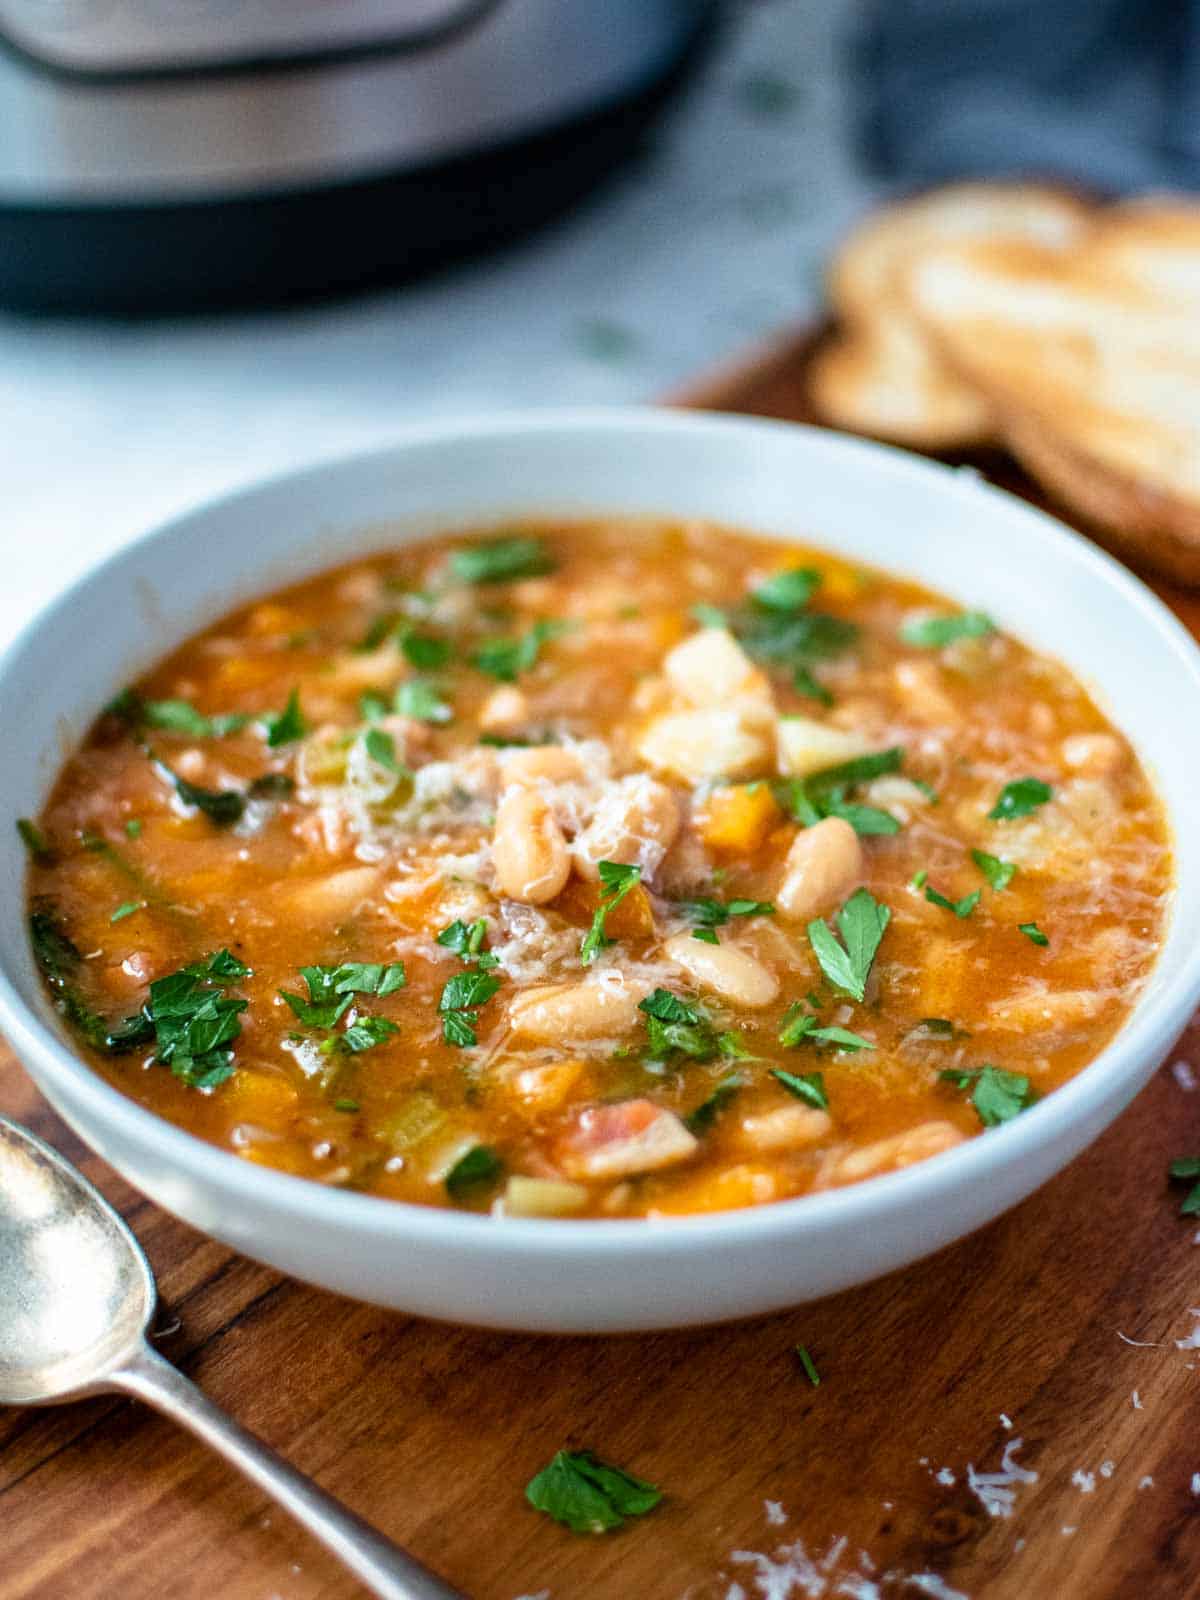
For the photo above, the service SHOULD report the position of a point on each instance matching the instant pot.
(163, 155)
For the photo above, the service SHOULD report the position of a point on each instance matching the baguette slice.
(1093, 373)
(882, 375)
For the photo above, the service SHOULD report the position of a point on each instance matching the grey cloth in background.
(1103, 93)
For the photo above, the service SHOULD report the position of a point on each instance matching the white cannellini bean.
(824, 864)
(806, 745)
(505, 709)
(558, 1013)
(636, 821)
(549, 763)
(900, 1150)
(711, 669)
(721, 742)
(529, 854)
(1096, 755)
(724, 969)
(786, 1128)
(335, 895)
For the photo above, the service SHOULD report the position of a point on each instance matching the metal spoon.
(76, 1298)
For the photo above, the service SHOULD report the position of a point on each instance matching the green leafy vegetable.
(222, 807)
(810, 1369)
(808, 1086)
(673, 1027)
(705, 935)
(931, 633)
(1019, 798)
(381, 748)
(588, 1495)
(787, 591)
(960, 908)
(506, 659)
(426, 651)
(195, 1022)
(459, 1005)
(998, 1096)
(616, 880)
(422, 702)
(714, 913)
(377, 631)
(824, 794)
(60, 961)
(999, 874)
(1033, 933)
(364, 1034)
(861, 769)
(133, 828)
(811, 687)
(502, 561)
(35, 842)
(481, 1165)
(289, 725)
(1187, 1168)
(331, 990)
(127, 909)
(862, 921)
(800, 1027)
(706, 1113)
(174, 716)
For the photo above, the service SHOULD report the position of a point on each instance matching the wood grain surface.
(1022, 1332)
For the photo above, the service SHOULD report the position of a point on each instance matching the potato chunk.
(618, 1141)
(808, 746)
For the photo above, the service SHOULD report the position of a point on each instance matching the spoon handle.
(382, 1566)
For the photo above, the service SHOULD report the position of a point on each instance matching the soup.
(608, 869)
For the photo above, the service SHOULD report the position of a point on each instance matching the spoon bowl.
(78, 1296)
(81, 1293)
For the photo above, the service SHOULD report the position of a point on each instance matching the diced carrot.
(747, 1184)
(258, 1097)
(738, 818)
(632, 918)
(546, 1087)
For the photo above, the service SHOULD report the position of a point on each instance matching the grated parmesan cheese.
(1192, 1342)
(1182, 1072)
(1085, 1482)
(776, 1515)
(996, 1491)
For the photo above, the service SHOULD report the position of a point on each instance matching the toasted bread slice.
(882, 376)
(1093, 373)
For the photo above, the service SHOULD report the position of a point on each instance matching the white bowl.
(1044, 583)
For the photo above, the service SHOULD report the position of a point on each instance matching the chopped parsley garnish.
(1019, 798)
(999, 874)
(506, 659)
(35, 842)
(174, 716)
(706, 1113)
(372, 705)
(1033, 933)
(422, 702)
(810, 1369)
(364, 1034)
(800, 1027)
(807, 1086)
(195, 1022)
(502, 561)
(126, 909)
(466, 939)
(673, 1027)
(133, 828)
(931, 633)
(59, 961)
(787, 591)
(1185, 1169)
(811, 687)
(481, 1165)
(588, 1495)
(222, 807)
(381, 748)
(862, 921)
(861, 769)
(377, 631)
(714, 913)
(459, 1006)
(706, 935)
(616, 881)
(823, 794)
(345, 1105)
(426, 651)
(998, 1096)
(960, 908)
(709, 616)
(289, 725)
(331, 990)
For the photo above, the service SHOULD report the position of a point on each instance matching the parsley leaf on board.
(707, 1112)
(931, 633)
(998, 1096)
(999, 874)
(809, 1365)
(807, 1086)
(616, 880)
(588, 1495)
(960, 908)
(502, 560)
(1019, 798)
(862, 921)
(479, 1166)
(1185, 1169)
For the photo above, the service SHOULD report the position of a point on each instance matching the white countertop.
(713, 241)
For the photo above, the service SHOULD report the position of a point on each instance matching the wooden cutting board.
(1057, 1326)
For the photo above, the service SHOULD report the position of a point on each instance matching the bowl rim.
(1113, 1073)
